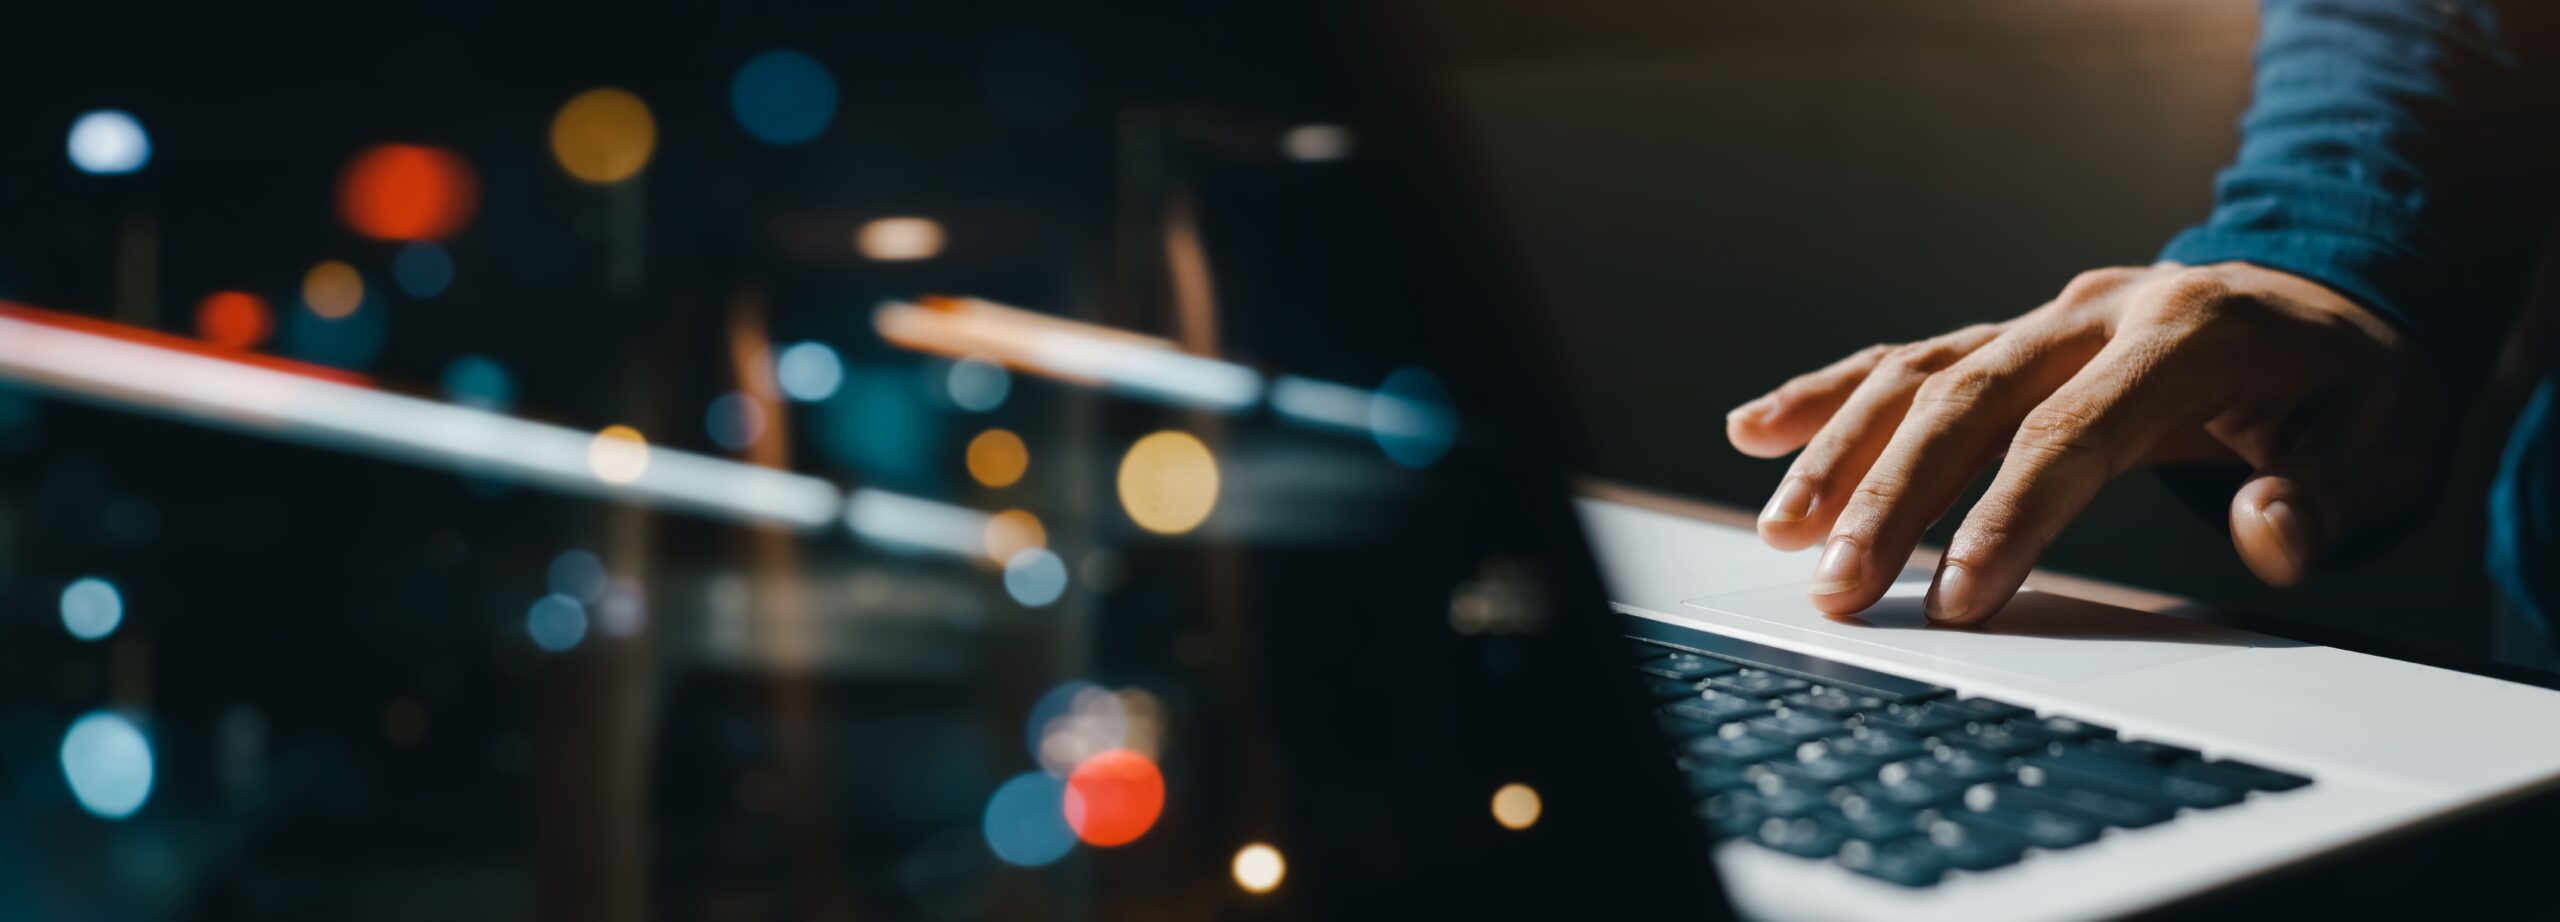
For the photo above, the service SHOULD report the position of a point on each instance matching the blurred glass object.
(108, 142)
(783, 97)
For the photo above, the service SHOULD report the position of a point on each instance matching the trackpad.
(2040, 635)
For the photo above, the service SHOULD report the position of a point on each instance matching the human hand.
(2341, 421)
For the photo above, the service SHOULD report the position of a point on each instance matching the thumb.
(2281, 524)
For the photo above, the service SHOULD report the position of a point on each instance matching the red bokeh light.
(234, 319)
(408, 192)
(1114, 798)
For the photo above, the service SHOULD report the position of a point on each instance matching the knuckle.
(2096, 283)
(2190, 298)
(2054, 434)
(1876, 353)
(1878, 492)
(1958, 388)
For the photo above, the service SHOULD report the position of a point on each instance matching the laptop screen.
(599, 462)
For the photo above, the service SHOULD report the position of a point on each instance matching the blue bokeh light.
(108, 142)
(556, 623)
(977, 385)
(808, 372)
(1035, 577)
(108, 761)
(1026, 822)
(352, 341)
(735, 421)
(479, 382)
(91, 608)
(783, 97)
(422, 270)
(577, 574)
(1412, 418)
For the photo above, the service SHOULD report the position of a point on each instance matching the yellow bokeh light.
(1168, 482)
(618, 455)
(1259, 868)
(1014, 531)
(1516, 806)
(332, 289)
(604, 135)
(998, 458)
(899, 239)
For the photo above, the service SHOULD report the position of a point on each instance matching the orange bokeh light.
(408, 192)
(234, 319)
(1114, 798)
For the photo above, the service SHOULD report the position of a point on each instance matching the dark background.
(1714, 197)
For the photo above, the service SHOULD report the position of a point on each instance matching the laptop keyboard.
(1905, 781)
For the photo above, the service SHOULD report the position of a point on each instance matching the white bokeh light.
(108, 762)
(108, 142)
(808, 372)
(91, 608)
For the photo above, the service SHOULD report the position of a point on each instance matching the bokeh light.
(998, 458)
(1013, 531)
(1076, 721)
(783, 97)
(1114, 798)
(891, 240)
(619, 454)
(603, 136)
(91, 608)
(556, 623)
(1258, 868)
(1026, 823)
(479, 382)
(108, 761)
(808, 372)
(578, 574)
(977, 385)
(1168, 482)
(1316, 143)
(1035, 577)
(332, 289)
(407, 192)
(422, 270)
(234, 320)
(108, 142)
(1412, 419)
(735, 421)
(624, 610)
(1516, 806)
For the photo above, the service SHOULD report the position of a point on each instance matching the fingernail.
(1838, 571)
(2292, 533)
(1752, 412)
(1951, 598)
(1792, 502)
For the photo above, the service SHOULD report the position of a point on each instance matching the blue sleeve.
(2401, 153)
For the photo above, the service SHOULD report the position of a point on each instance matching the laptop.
(1167, 515)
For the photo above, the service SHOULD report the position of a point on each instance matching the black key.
(1872, 743)
(1758, 683)
(1916, 719)
(1686, 667)
(1831, 701)
(2140, 781)
(1717, 707)
(2089, 803)
(1670, 689)
(1824, 768)
(1803, 836)
(2242, 774)
(2042, 828)
(1863, 819)
(2060, 728)
(1959, 767)
(1896, 785)
(1733, 814)
(1973, 848)
(1992, 739)
(1786, 662)
(1681, 728)
(1738, 748)
(1989, 709)
(2139, 751)
(1798, 726)
(1910, 861)
(1787, 800)
(1715, 778)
